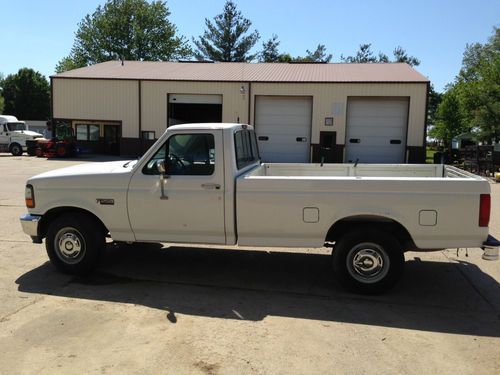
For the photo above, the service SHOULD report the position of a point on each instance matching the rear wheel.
(74, 243)
(61, 150)
(367, 261)
(16, 149)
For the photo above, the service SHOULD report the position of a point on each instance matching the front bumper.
(490, 248)
(30, 226)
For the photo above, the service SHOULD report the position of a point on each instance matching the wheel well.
(379, 223)
(50, 215)
(14, 144)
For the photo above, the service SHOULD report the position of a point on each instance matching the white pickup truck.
(205, 184)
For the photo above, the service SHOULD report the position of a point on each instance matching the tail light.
(484, 210)
(29, 196)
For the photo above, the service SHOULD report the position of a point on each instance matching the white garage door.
(283, 126)
(376, 130)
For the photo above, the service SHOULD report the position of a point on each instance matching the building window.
(149, 135)
(87, 132)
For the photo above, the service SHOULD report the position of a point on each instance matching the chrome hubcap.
(368, 262)
(70, 245)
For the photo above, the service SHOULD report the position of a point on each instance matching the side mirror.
(160, 165)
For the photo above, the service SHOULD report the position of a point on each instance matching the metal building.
(374, 113)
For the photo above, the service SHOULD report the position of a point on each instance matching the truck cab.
(14, 134)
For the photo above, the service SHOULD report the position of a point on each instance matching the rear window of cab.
(246, 150)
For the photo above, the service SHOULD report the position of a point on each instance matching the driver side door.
(192, 208)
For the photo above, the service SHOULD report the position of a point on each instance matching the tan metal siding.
(154, 101)
(110, 100)
(326, 96)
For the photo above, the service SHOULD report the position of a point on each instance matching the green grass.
(429, 156)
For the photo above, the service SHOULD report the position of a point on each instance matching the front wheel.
(74, 243)
(368, 262)
(16, 149)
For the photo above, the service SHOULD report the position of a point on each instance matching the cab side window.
(185, 155)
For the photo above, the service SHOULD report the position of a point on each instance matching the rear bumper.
(490, 248)
(29, 224)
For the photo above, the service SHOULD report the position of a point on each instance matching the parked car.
(204, 183)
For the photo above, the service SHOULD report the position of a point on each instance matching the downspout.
(249, 101)
(140, 114)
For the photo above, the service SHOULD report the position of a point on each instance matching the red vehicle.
(62, 144)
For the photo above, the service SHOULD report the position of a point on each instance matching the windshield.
(11, 126)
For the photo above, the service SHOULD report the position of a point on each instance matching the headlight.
(29, 196)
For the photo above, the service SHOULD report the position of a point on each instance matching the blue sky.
(37, 34)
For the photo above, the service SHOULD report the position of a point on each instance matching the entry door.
(111, 139)
(283, 127)
(376, 130)
(192, 208)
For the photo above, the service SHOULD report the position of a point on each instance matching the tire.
(61, 150)
(74, 243)
(16, 149)
(368, 261)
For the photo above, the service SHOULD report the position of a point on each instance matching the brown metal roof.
(248, 72)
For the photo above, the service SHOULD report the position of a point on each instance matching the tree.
(27, 95)
(319, 55)
(128, 30)
(227, 38)
(400, 55)
(270, 51)
(1, 94)
(363, 55)
(366, 55)
(449, 118)
(478, 85)
(434, 101)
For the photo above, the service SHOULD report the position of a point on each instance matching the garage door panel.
(283, 119)
(373, 124)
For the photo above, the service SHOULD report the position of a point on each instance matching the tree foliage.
(366, 55)
(477, 92)
(401, 56)
(1, 94)
(270, 53)
(318, 55)
(434, 101)
(449, 118)
(27, 95)
(227, 38)
(128, 30)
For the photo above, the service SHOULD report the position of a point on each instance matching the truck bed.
(296, 204)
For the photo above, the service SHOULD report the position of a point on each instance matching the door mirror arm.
(161, 167)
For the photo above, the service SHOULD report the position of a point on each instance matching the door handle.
(395, 141)
(263, 138)
(301, 139)
(210, 186)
